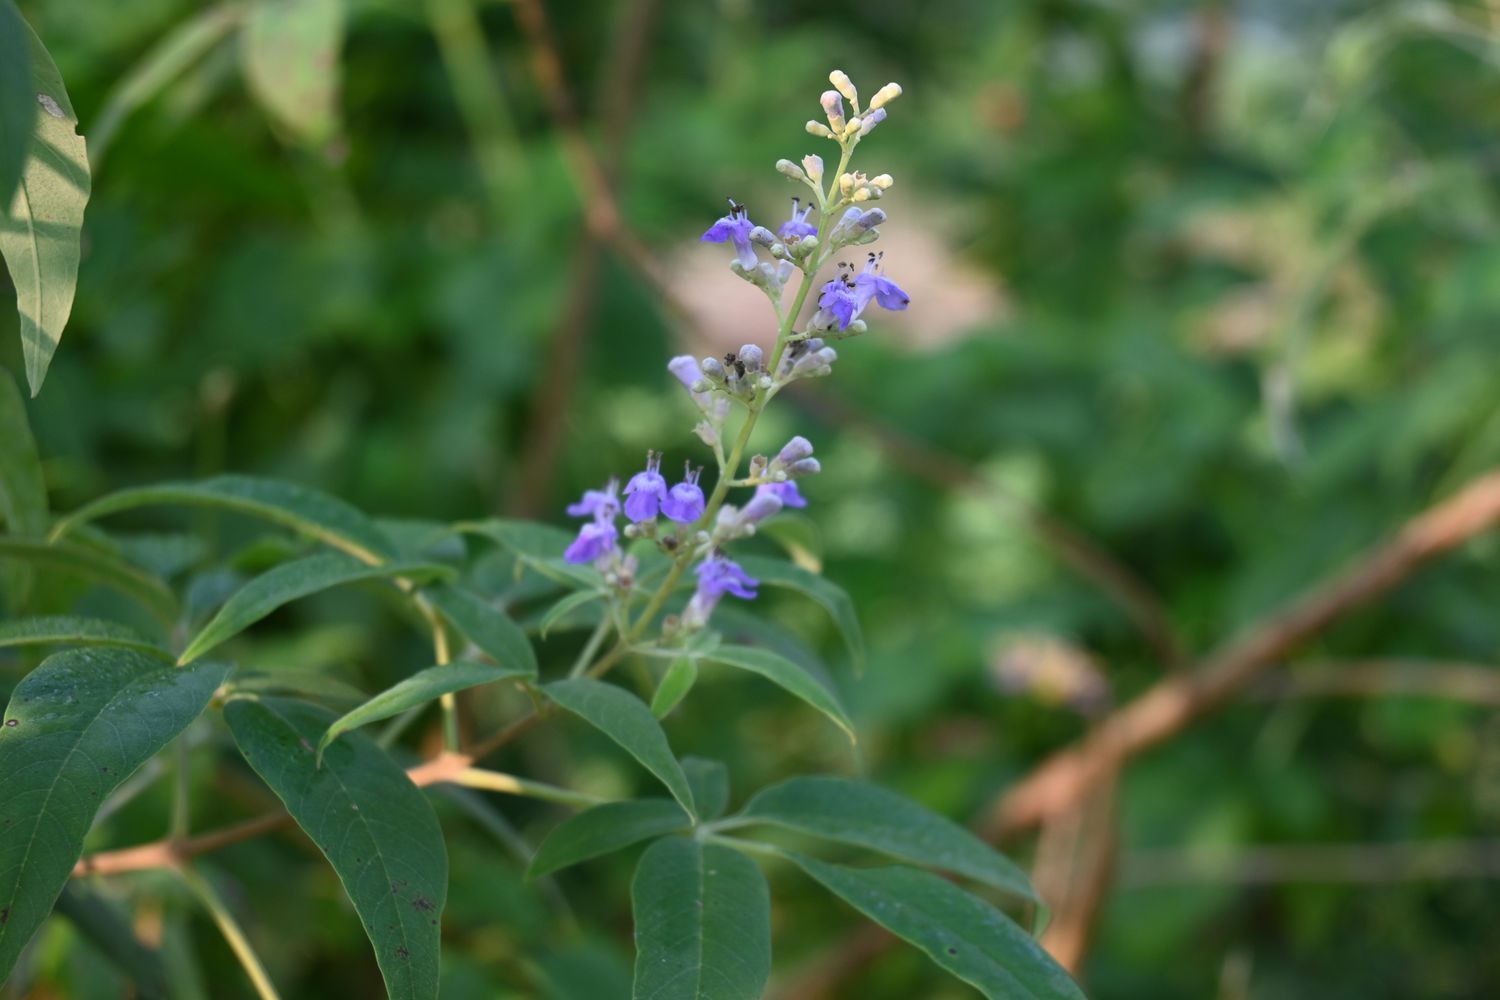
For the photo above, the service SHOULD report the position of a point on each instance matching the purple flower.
(795, 450)
(871, 284)
(601, 504)
(787, 493)
(838, 303)
(734, 228)
(684, 502)
(766, 503)
(646, 491)
(718, 576)
(798, 225)
(595, 540)
(845, 297)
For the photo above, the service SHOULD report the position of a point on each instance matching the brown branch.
(1075, 864)
(1175, 702)
(547, 423)
(1386, 678)
(1348, 863)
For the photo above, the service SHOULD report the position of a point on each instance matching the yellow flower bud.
(819, 129)
(844, 85)
(885, 95)
(882, 181)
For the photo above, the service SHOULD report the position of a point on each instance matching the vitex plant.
(87, 726)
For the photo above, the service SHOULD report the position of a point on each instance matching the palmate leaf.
(783, 672)
(374, 826)
(420, 687)
(779, 573)
(66, 630)
(866, 815)
(960, 932)
(288, 582)
(606, 828)
(40, 232)
(76, 727)
(312, 512)
(702, 923)
(625, 719)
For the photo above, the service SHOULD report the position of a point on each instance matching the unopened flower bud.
(845, 86)
(757, 466)
(713, 369)
(752, 357)
(846, 183)
(806, 466)
(819, 129)
(869, 220)
(833, 107)
(813, 165)
(853, 126)
(885, 95)
(763, 236)
(868, 123)
(763, 505)
(863, 194)
(795, 450)
(790, 169)
(685, 368)
(882, 181)
(702, 385)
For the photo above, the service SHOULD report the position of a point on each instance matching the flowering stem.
(591, 647)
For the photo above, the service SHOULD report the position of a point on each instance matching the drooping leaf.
(625, 719)
(675, 685)
(312, 512)
(17, 98)
(779, 573)
(94, 564)
(960, 932)
(564, 607)
(76, 727)
(702, 923)
(866, 815)
(420, 687)
(485, 625)
(709, 780)
(65, 630)
(290, 581)
(783, 672)
(606, 828)
(41, 229)
(23, 494)
(290, 50)
(374, 826)
(107, 928)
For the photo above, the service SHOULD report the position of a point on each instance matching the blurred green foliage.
(1246, 283)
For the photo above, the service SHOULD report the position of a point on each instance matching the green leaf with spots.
(625, 719)
(866, 815)
(702, 923)
(288, 582)
(314, 513)
(374, 826)
(76, 727)
(606, 828)
(41, 229)
(960, 932)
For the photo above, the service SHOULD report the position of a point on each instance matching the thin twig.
(1175, 702)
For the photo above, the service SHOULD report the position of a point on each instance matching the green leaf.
(97, 565)
(709, 780)
(484, 625)
(539, 546)
(420, 687)
(778, 573)
(326, 518)
(674, 686)
(290, 52)
(561, 609)
(77, 726)
(866, 815)
(288, 582)
(57, 630)
(702, 923)
(779, 670)
(604, 829)
(963, 934)
(108, 929)
(625, 719)
(374, 826)
(40, 233)
(17, 98)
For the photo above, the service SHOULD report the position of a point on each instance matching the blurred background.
(1204, 304)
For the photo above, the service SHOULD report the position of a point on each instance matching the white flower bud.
(885, 95)
(845, 86)
(882, 181)
(790, 169)
(833, 107)
(813, 165)
(863, 194)
(854, 126)
(713, 369)
(846, 183)
(752, 357)
(806, 466)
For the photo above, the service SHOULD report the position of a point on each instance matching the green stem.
(509, 784)
(181, 798)
(591, 647)
(231, 931)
